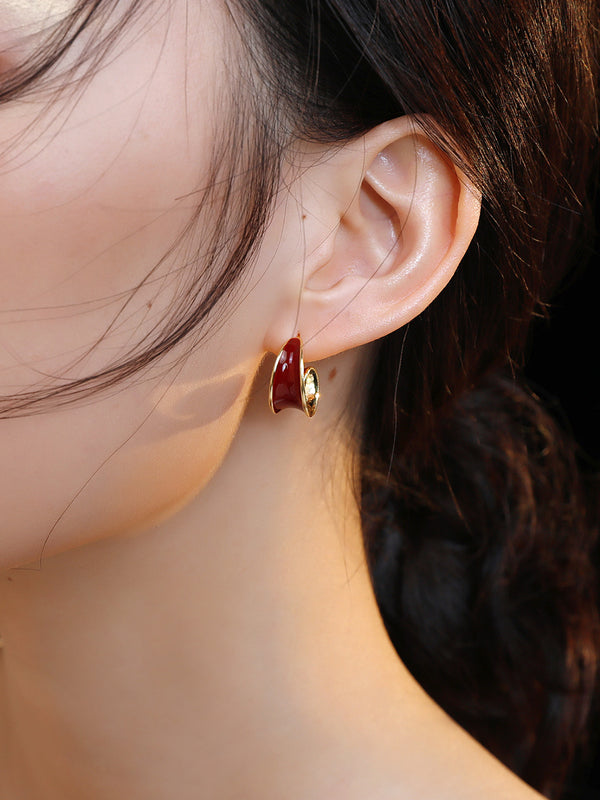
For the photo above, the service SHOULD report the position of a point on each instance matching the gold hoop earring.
(293, 386)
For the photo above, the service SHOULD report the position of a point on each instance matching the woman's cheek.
(115, 465)
(96, 187)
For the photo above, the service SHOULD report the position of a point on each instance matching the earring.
(293, 386)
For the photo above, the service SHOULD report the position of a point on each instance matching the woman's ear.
(386, 220)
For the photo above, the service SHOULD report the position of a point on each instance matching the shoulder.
(432, 758)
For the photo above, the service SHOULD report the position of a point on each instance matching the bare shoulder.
(431, 757)
(456, 775)
(462, 769)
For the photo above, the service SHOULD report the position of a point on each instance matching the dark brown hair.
(475, 523)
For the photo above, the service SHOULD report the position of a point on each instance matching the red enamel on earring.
(293, 386)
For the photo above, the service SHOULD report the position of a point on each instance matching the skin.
(200, 620)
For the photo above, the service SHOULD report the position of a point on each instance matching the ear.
(386, 220)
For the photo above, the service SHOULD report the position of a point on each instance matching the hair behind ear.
(479, 555)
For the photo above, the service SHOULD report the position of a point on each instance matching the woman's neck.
(234, 650)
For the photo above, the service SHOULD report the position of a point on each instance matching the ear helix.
(293, 386)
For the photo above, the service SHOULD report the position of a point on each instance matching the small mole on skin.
(332, 374)
(149, 303)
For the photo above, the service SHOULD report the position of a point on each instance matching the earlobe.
(402, 229)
